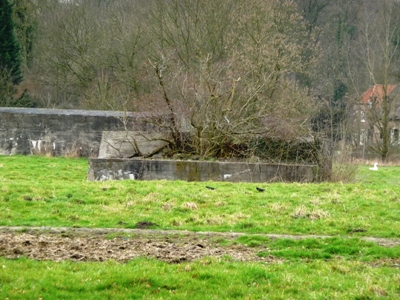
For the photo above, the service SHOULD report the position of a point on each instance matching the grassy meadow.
(204, 279)
(48, 191)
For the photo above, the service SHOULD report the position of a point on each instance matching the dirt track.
(94, 244)
(86, 244)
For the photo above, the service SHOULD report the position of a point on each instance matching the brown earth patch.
(172, 248)
(122, 245)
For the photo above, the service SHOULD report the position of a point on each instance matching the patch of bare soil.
(171, 248)
(95, 244)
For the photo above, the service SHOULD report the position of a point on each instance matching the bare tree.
(334, 23)
(69, 49)
(121, 79)
(246, 86)
(379, 51)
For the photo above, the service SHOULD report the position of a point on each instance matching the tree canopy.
(10, 50)
(229, 69)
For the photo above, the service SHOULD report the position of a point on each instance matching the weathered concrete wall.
(125, 144)
(60, 132)
(143, 169)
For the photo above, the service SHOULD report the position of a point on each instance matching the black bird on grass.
(210, 187)
(260, 189)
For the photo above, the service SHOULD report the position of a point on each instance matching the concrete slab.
(124, 144)
(150, 169)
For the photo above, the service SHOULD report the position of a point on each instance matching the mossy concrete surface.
(62, 131)
(189, 170)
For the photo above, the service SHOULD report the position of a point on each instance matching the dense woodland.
(227, 70)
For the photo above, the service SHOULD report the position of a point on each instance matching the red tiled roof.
(376, 93)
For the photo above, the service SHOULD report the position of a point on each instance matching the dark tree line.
(228, 69)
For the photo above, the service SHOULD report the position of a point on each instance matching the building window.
(362, 116)
(395, 135)
(363, 137)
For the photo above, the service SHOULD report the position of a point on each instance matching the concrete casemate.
(191, 170)
(62, 131)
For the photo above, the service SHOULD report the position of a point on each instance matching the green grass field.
(205, 279)
(48, 191)
(42, 191)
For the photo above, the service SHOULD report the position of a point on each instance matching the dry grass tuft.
(343, 170)
(216, 220)
(111, 208)
(220, 203)
(70, 153)
(318, 214)
(130, 203)
(151, 197)
(190, 205)
(167, 206)
(303, 212)
(300, 212)
(334, 197)
(277, 207)
(315, 201)
(239, 216)
(341, 269)
(378, 291)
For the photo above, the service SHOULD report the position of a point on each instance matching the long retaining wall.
(59, 131)
(147, 169)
